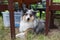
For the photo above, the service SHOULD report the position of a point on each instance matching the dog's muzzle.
(28, 19)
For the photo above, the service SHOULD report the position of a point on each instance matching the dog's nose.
(28, 19)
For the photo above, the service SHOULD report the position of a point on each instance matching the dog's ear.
(25, 10)
(32, 10)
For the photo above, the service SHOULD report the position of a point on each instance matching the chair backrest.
(27, 2)
(3, 7)
(53, 4)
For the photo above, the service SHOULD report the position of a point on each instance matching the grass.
(5, 34)
(3, 31)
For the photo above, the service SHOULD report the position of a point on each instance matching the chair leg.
(48, 19)
(12, 26)
(52, 20)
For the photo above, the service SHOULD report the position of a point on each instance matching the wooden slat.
(12, 26)
(57, 17)
(52, 19)
(3, 7)
(47, 17)
(28, 2)
(56, 14)
(54, 7)
(55, 3)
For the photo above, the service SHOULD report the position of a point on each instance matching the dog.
(29, 22)
(26, 23)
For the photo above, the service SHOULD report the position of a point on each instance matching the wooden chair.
(50, 16)
(27, 2)
(11, 9)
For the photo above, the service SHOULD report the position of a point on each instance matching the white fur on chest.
(25, 25)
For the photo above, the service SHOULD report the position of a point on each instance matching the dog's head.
(28, 16)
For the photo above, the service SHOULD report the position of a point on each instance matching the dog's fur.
(27, 23)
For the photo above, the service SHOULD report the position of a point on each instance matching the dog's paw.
(17, 35)
(20, 35)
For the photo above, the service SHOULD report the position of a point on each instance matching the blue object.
(17, 16)
(17, 25)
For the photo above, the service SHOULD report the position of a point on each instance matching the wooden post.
(20, 3)
(48, 15)
(12, 26)
(1, 2)
(52, 19)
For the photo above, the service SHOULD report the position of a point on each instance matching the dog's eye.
(30, 15)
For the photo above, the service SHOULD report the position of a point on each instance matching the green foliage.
(57, 12)
(57, 1)
(43, 15)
